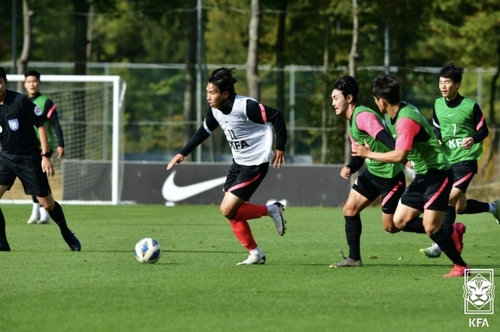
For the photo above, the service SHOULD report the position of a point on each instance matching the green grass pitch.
(196, 285)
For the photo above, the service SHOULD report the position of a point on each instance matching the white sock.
(36, 209)
(256, 252)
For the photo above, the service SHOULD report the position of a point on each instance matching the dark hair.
(348, 86)
(223, 78)
(452, 71)
(386, 87)
(3, 74)
(32, 73)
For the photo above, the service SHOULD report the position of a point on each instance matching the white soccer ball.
(147, 250)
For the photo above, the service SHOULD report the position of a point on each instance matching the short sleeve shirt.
(18, 115)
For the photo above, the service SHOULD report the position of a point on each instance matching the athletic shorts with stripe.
(28, 168)
(242, 181)
(463, 173)
(430, 191)
(391, 189)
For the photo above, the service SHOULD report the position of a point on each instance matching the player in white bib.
(248, 126)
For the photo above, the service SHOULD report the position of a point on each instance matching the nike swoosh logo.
(173, 193)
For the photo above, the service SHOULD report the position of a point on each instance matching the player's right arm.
(205, 130)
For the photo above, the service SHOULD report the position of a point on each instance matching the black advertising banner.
(201, 183)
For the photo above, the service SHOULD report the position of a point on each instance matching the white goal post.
(90, 111)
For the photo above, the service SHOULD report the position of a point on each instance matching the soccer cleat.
(432, 252)
(457, 271)
(347, 262)
(496, 212)
(253, 259)
(458, 235)
(44, 217)
(278, 218)
(34, 218)
(71, 240)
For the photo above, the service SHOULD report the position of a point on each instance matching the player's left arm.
(262, 114)
(47, 166)
(479, 125)
(53, 117)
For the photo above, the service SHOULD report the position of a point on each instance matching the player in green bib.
(378, 179)
(460, 125)
(32, 85)
(429, 192)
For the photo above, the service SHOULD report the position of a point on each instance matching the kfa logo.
(479, 292)
(234, 143)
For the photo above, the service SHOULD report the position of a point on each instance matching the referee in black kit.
(21, 157)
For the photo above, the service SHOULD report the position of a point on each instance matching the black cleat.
(4, 247)
(72, 241)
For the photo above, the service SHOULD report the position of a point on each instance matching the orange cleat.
(457, 271)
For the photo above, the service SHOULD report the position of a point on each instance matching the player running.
(248, 126)
(460, 125)
(429, 192)
(378, 179)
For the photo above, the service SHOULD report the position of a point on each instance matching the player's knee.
(226, 212)
(349, 211)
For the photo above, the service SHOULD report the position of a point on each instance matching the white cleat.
(253, 259)
(34, 219)
(44, 217)
(278, 218)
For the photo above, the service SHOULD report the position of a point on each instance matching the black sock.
(57, 215)
(35, 200)
(444, 241)
(353, 234)
(474, 207)
(415, 226)
(3, 235)
(449, 219)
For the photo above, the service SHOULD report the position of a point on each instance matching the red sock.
(250, 211)
(243, 233)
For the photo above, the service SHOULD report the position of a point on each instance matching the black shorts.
(463, 173)
(243, 181)
(430, 191)
(28, 168)
(391, 189)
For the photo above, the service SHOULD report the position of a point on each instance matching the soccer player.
(20, 157)
(248, 126)
(460, 125)
(32, 85)
(378, 179)
(429, 192)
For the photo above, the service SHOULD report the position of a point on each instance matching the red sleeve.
(406, 130)
(368, 122)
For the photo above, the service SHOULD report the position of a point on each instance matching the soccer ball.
(147, 250)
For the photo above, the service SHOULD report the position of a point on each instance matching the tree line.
(402, 34)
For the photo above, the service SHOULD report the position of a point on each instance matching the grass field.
(196, 285)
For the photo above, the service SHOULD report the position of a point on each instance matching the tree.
(253, 79)
(23, 59)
